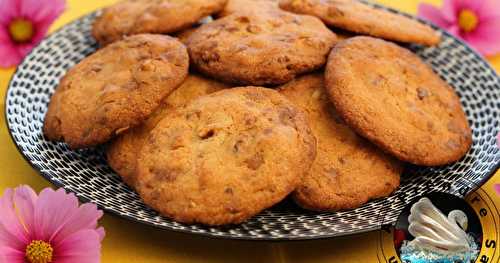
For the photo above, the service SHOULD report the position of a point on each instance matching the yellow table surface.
(132, 242)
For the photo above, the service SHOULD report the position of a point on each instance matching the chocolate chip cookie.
(225, 157)
(238, 6)
(361, 18)
(122, 151)
(390, 96)
(115, 89)
(254, 48)
(132, 17)
(348, 170)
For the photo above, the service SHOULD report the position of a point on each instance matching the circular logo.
(441, 227)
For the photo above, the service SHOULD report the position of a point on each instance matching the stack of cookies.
(214, 122)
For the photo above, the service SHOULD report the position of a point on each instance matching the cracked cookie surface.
(260, 48)
(132, 17)
(361, 18)
(397, 101)
(115, 89)
(348, 170)
(122, 152)
(238, 6)
(225, 157)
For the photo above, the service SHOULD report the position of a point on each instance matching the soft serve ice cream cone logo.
(437, 237)
(439, 227)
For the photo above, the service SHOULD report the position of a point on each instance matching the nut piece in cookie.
(115, 89)
(253, 48)
(348, 170)
(132, 17)
(225, 157)
(389, 95)
(122, 151)
(361, 18)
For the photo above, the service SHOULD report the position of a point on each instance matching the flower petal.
(41, 32)
(8, 239)
(455, 30)
(51, 210)
(100, 231)
(450, 10)
(480, 45)
(42, 11)
(10, 10)
(9, 55)
(488, 10)
(9, 221)
(485, 38)
(43, 16)
(8, 254)
(24, 50)
(486, 48)
(489, 31)
(431, 13)
(84, 218)
(5, 36)
(81, 247)
(24, 200)
(471, 5)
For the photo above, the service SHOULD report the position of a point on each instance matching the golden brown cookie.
(348, 170)
(132, 17)
(390, 96)
(238, 6)
(114, 89)
(122, 151)
(184, 35)
(225, 157)
(255, 48)
(361, 18)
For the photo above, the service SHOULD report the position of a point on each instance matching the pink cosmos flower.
(23, 24)
(475, 21)
(50, 227)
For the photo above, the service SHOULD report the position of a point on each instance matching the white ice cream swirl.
(436, 232)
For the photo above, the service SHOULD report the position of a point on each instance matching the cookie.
(397, 101)
(225, 157)
(132, 17)
(348, 170)
(238, 6)
(184, 35)
(122, 151)
(361, 18)
(114, 89)
(253, 48)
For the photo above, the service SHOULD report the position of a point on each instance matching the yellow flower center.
(39, 251)
(467, 20)
(21, 30)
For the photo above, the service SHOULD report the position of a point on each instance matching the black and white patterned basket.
(86, 173)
